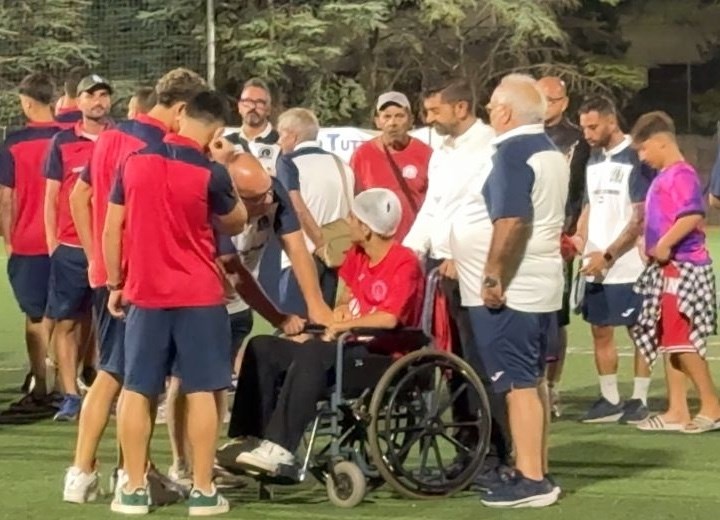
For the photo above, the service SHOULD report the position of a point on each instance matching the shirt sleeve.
(508, 189)
(287, 173)
(7, 167)
(53, 168)
(223, 243)
(418, 238)
(686, 194)
(117, 193)
(286, 220)
(85, 174)
(641, 177)
(403, 295)
(221, 194)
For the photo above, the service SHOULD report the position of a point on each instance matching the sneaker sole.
(536, 501)
(209, 510)
(129, 510)
(603, 420)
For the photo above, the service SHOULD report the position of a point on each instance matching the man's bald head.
(516, 101)
(249, 176)
(555, 92)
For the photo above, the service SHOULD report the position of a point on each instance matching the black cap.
(93, 82)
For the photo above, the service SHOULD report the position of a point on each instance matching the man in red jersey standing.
(394, 160)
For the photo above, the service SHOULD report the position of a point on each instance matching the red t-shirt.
(111, 148)
(373, 170)
(68, 156)
(170, 192)
(21, 168)
(395, 285)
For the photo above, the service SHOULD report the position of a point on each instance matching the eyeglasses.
(556, 100)
(257, 199)
(254, 102)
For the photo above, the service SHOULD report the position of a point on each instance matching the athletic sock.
(609, 388)
(641, 386)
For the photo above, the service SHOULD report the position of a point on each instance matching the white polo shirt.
(529, 180)
(315, 174)
(452, 167)
(616, 179)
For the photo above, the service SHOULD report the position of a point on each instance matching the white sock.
(641, 386)
(609, 388)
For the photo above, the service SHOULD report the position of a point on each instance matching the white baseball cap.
(398, 98)
(379, 209)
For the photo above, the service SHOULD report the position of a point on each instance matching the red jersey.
(111, 148)
(69, 154)
(373, 170)
(21, 168)
(395, 285)
(170, 192)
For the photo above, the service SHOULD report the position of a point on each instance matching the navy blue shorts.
(196, 339)
(69, 294)
(512, 345)
(29, 277)
(611, 304)
(111, 335)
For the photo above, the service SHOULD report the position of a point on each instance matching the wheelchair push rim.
(409, 417)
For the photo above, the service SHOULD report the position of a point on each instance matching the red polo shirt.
(111, 148)
(170, 192)
(21, 168)
(373, 170)
(69, 154)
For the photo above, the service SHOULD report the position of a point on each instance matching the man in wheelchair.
(383, 289)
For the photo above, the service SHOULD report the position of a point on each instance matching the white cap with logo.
(379, 209)
(398, 98)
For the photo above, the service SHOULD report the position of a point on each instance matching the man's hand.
(342, 313)
(292, 325)
(595, 264)
(333, 331)
(321, 314)
(662, 253)
(221, 150)
(493, 297)
(115, 304)
(578, 242)
(448, 270)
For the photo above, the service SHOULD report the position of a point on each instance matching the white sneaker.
(266, 457)
(80, 487)
(118, 478)
(179, 474)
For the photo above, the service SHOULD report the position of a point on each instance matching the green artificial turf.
(606, 471)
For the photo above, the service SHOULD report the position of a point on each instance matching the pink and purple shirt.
(673, 194)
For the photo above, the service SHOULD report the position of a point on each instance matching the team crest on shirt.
(379, 290)
(263, 223)
(409, 171)
(617, 174)
(264, 152)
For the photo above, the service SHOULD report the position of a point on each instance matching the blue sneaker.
(603, 411)
(69, 409)
(634, 412)
(521, 492)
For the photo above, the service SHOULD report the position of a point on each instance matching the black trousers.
(464, 346)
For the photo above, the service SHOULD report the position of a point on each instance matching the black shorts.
(563, 315)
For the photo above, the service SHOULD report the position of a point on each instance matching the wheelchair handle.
(428, 308)
(314, 328)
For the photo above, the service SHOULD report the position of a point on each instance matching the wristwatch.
(115, 287)
(489, 282)
(607, 257)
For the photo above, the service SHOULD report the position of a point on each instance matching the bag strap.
(401, 181)
(341, 171)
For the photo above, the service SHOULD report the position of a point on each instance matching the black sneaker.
(521, 492)
(634, 412)
(30, 405)
(27, 383)
(603, 411)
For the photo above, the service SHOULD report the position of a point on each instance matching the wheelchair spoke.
(463, 424)
(453, 397)
(438, 457)
(459, 445)
(425, 451)
(405, 448)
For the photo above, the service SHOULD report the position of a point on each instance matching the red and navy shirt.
(69, 154)
(67, 117)
(111, 148)
(170, 192)
(21, 168)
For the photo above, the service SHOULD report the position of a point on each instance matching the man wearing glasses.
(568, 138)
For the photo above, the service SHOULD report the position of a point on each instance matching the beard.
(254, 120)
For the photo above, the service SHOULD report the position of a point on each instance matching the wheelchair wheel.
(417, 445)
(346, 485)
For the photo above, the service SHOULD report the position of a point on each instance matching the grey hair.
(524, 97)
(302, 122)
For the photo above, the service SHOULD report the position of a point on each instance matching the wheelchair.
(401, 430)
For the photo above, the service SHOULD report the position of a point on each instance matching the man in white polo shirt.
(608, 231)
(320, 186)
(522, 278)
(457, 167)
